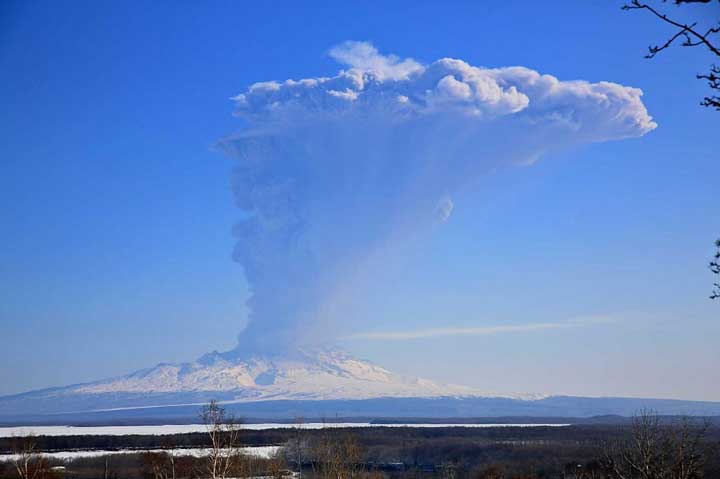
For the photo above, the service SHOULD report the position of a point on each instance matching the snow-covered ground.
(187, 428)
(257, 451)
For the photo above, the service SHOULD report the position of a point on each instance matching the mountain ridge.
(236, 376)
(318, 373)
(305, 382)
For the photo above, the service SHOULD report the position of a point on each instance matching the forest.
(674, 448)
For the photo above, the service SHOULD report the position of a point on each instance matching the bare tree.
(168, 443)
(689, 35)
(275, 466)
(692, 35)
(28, 461)
(224, 432)
(715, 268)
(157, 465)
(337, 455)
(657, 451)
(296, 447)
(185, 466)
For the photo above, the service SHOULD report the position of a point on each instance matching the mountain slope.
(314, 374)
(234, 377)
(310, 383)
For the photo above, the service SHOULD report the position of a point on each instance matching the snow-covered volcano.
(313, 382)
(235, 377)
(317, 373)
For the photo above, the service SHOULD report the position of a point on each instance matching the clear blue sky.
(117, 213)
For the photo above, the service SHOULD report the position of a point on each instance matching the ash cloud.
(331, 170)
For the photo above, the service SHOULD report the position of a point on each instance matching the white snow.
(188, 428)
(242, 377)
(309, 374)
(257, 451)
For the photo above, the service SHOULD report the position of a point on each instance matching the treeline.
(686, 449)
(429, 458)
(381, 437)
(141, 465)
(137, 441)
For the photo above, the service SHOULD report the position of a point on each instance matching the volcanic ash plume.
(331, 170)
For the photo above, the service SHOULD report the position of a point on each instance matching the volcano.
(304, 374)
(234, 377)
(311, 382)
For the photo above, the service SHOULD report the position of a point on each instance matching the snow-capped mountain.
(311, 382)
(235, 377)
(304, 374)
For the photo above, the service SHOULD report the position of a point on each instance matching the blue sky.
(118, 211)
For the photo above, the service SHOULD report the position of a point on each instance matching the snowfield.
(263, 452)
(188, 428)
(240, 377)
(303, 374)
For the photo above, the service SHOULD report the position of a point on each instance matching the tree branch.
(684, 29)
(692, 38)
(715, 268)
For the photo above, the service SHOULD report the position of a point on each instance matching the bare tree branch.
(715, 268)
(28, 462)
(224, 432)
(657, 450)
(692, 37)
